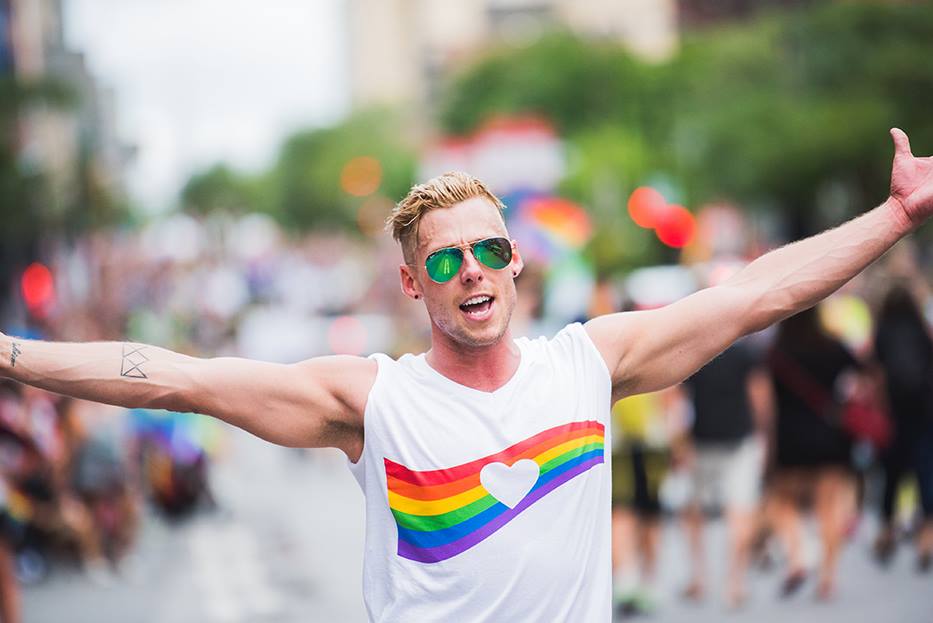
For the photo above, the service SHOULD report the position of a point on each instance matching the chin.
(483, 338)
(476, 337)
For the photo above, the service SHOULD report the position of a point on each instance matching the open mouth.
(477, 307)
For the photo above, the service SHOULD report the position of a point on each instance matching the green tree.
(222, 189)
(777, 111)
(306, 180)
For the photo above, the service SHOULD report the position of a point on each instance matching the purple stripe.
(443, 552)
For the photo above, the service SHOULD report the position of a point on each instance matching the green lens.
(443, 265)
(493, 252)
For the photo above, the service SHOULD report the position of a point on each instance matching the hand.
(911, 181)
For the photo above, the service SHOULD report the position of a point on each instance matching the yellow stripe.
(567, 446)
(445, 505)
(435, 507)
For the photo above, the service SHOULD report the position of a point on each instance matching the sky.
(202, 81)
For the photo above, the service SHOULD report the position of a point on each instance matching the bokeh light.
(371, 215)
(38, 288)
(646, 206)
(361, 176)
(677, 226)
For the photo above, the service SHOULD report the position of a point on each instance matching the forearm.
(797, 276)
(118, 373)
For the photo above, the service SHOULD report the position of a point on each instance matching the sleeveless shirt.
(489, 506)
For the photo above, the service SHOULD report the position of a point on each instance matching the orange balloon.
(646, 206)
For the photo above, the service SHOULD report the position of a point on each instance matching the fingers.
(901, 142)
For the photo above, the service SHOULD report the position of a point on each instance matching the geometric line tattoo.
(133, 358)
(16, 353)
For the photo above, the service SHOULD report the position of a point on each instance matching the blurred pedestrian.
(641, 459)
(904, 349)
(813, 452)
(726, 460)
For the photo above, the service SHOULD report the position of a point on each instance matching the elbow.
(762, 307)
(179, 390)
(170, 400)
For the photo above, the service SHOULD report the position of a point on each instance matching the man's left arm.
(648, 350)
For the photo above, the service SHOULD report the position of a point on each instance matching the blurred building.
(73, 143)
(399, 49)
(62, 162)
(698, 13)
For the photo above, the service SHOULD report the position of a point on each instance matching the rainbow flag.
(442, 513)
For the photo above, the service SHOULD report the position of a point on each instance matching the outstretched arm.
(646, 351)
(315, 403)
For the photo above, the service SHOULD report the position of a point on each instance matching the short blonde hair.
(442, 191)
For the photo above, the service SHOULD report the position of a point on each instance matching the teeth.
(477, 299)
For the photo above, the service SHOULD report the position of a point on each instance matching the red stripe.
(439, 491)
(451, 474)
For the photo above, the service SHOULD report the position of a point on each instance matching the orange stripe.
(437, 492)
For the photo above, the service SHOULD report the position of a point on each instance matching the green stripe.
(428, 523)
(570, 454)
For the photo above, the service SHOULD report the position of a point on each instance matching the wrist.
(11, 349)
(902, 222)
(6, 354)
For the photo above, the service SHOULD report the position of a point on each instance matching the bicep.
(650, 350)
(313, 403)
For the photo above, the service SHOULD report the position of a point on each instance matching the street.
(286, 546)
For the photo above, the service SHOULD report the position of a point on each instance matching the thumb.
(901, 142)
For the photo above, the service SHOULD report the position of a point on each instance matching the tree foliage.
(768, 112)
(302, 189)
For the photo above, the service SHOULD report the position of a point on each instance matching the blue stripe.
(452, 533)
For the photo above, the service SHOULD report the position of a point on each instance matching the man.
(482, 460)
(730, 396)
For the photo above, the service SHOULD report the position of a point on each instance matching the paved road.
(287, 548)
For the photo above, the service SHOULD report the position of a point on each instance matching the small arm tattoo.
(133, 359)
(16, 353)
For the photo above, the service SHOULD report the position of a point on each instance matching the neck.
(484, 368)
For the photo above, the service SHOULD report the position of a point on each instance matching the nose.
(471, 271)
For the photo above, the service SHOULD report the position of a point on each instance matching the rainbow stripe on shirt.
(442, 513)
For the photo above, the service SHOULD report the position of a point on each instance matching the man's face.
(471, 325)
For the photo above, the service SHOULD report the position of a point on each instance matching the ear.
(410, 286)
(517, 263)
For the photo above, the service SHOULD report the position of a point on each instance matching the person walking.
(726, 458)
(482, 460)
(643, 427)
(904, 349)
(813, 452)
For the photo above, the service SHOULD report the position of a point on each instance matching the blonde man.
(482, 460)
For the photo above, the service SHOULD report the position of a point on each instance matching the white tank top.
(489, 506)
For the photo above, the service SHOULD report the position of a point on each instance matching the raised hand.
(911, 181)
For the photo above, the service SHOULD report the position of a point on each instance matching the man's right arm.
(315, 403)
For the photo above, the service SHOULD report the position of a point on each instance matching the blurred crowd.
(824, 420)
(76, 477)
(827, 415)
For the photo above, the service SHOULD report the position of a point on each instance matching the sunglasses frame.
(472, 246)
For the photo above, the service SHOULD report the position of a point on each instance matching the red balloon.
(677, 227)
(646, 206)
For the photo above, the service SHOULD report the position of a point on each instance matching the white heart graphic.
(507, 484)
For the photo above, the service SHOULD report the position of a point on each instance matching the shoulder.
(574, 344)
(346, 378)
